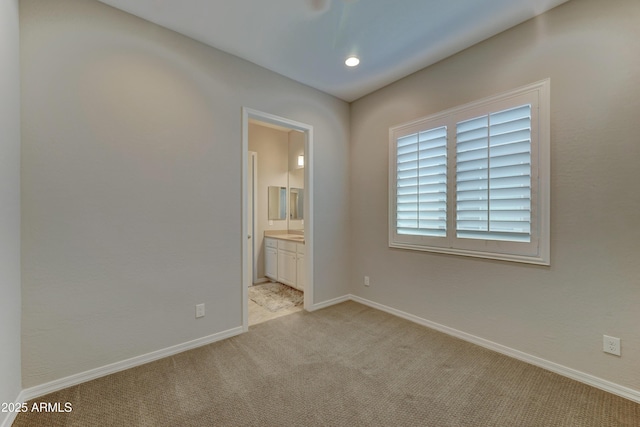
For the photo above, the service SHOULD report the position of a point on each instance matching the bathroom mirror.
(296, 203)
(277, 202)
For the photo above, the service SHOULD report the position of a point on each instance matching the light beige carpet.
(347, 365)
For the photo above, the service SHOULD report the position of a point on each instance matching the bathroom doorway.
(298, 218)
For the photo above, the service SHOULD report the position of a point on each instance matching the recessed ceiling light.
(352, 61)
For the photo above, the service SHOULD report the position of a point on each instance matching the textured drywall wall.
(10, 306)
(132, 185)
(589, 49)
(271, 145)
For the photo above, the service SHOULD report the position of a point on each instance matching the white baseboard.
(82, 377)
(9, 418)
(50, 387)
(330, 302)
(608, 386)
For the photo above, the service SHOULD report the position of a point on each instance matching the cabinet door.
(271, 263)
(300, 272)
(287, 268)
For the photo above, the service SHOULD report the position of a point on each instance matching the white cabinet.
(287, 267)
(300, 269)
(271, 258)
(284, 262)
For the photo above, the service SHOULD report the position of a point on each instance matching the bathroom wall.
(273, 170)
(277, 151)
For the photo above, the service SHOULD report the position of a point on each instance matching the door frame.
(253, 225)
(248, 114)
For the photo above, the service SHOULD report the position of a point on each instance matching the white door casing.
(247, 114)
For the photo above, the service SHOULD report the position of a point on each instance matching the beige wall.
(132, 145)
(296, 173)
(10, 305)
(589, 49)
(131, 185)
(271, 146)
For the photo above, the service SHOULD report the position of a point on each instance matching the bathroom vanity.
(284, 259)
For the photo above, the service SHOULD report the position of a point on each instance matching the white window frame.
(537, 251)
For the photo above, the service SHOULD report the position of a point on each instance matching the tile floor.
(259, 314)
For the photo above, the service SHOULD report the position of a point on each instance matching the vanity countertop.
(298, 238)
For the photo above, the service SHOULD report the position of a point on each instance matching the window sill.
(536, 260)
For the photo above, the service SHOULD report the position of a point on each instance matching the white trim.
(602, 384)
(537, 250)
(82, 377)
(246, 281)
(251, 114)
(536, 260)
(309, 220)
(254, 226)
(11, 416)
(330, 302)
(588, 379)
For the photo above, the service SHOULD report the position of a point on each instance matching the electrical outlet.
(611, 345)
(199, 310)
(366, 280)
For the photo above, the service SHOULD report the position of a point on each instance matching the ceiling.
(309, 40)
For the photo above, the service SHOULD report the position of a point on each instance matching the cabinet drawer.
(271, 243)
(300, 248)
(287, 246)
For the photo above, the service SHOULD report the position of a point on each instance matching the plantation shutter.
(421, 183)
(493, 176)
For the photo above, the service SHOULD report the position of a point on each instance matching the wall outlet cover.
(611, 345)
(199, 310)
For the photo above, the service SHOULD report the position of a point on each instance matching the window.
(474, 180)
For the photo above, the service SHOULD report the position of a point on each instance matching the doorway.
(250, 245)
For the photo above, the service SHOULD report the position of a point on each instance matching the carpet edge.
(582, 377)
(92, 374)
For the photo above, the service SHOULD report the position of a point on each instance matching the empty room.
(319, 212)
